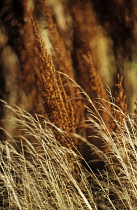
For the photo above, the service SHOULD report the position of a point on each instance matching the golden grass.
(44, 180)
(55, 178)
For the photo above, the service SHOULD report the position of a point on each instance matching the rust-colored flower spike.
(61, 59)
(63, 62)
(36, 77)
(61, 55)
(135, 112)
(119, 99)
(87, 75)
(52, 89)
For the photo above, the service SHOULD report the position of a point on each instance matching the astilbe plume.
(86, 73)
(62, 61)
(53, 92)
(119, 101)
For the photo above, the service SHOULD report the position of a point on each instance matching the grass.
(50, 176)
(41, 166)
(42, 180)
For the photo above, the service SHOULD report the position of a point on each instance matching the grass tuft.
(43, 174)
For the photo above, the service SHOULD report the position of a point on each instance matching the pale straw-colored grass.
(53, 176)
(118, 181)
(44, 179)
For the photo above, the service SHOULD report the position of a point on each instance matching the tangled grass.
(43, 180)
(53, 177)
(43, 46)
